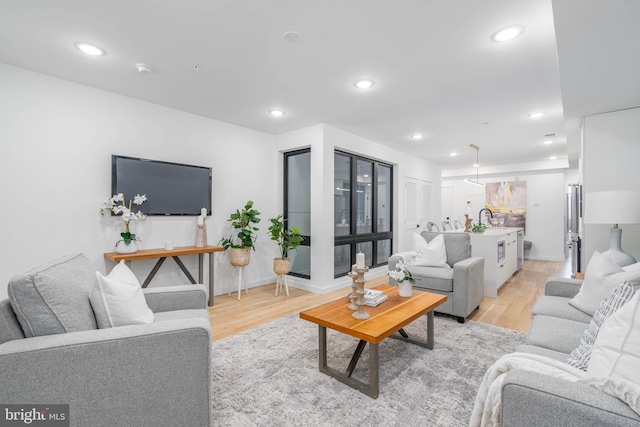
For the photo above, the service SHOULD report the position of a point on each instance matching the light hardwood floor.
(512, 308)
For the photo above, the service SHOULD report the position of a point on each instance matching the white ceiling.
(436, 71)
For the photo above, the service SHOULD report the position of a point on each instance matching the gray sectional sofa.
(51, 352)
(534, 399)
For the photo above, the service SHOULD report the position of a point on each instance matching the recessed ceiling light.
(508, 33)
(89, 49)
(476, 165)
(276, 113)
(417, 136)
(144, 68)
(553, 158)
(547, 142)
(291, 36)
(453, 154)
(536, 115)
(364, 84)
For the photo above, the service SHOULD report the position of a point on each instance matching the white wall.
(55, 169)
(610, 153)
(545, 209)
(324, 140)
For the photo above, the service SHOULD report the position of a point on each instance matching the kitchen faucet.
(480, 214)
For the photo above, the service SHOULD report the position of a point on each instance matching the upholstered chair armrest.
(534, 399)
(469, 274)
(171, 298)
(152, 374)
(562, 287)
(468, 270)
(393, 259)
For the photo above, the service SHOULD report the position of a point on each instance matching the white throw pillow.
(632, 267)
(117, 299)
(601, 276)
(619, 296)
(616, 352)
(432, 254)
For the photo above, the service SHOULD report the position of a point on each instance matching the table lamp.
(614, 207)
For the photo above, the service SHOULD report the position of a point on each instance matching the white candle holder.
(352, 296)
(201, 233)
(357, 277)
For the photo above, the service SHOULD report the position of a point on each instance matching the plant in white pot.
(118, 206)
(288, 239)
(403, 275)
(240, 246)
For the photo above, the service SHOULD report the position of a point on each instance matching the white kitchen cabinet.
(499, 248)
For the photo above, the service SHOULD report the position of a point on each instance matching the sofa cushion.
(432, 254)
(601, 276)
(117, 299)
(616, 352)
(434, 278)
(197, 313)
(554, 333)
(9, 326)
(579, 357)
(458, 245)
(559, 307)
(54, 298)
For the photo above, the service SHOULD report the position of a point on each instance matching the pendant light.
(470, 181)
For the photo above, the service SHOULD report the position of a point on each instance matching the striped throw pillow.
(616, 298)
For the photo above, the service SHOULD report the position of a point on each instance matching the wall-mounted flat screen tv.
(171, 188)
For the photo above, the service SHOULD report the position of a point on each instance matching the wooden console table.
(163, 254)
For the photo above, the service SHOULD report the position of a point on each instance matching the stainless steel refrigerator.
(574, 213)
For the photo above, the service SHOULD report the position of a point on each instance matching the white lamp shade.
(612, 207)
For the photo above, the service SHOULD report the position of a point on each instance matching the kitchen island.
(502, 249)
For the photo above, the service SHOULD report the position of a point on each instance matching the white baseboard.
(299, 283)
(340, 283)
(546, 258)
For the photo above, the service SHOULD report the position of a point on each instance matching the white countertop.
(497, 231)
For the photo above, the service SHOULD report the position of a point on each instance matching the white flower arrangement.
(402, 273)
(116, 204)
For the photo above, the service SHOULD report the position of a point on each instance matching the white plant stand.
(282, 279)
(241, 279)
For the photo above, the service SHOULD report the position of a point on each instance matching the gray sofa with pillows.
(462, 279)
(52, 352)
(535, 399)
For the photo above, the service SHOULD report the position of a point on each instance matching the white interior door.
(417, 208)
(445, 206)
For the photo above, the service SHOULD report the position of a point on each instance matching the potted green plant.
(478, 228)
(240, 246)
(288, 239)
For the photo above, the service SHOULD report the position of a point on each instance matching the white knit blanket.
(486, 409)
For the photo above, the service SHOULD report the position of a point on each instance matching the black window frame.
(374, 236)
(306, 239)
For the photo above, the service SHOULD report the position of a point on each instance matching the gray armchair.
(152, 374)
(463, 283)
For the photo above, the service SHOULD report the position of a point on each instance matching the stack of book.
(373, 297)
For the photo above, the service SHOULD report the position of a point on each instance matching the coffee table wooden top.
(388, 317)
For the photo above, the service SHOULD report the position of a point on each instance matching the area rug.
(268, 376)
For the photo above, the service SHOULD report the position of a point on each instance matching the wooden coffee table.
(386, 319)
